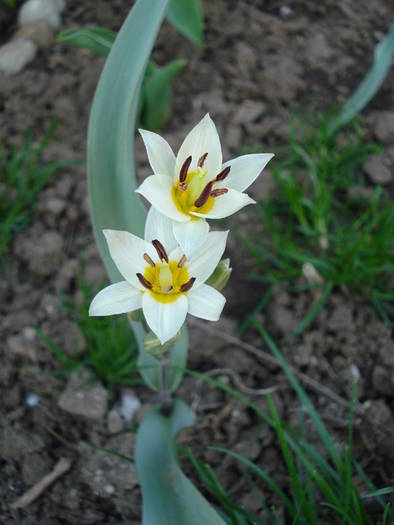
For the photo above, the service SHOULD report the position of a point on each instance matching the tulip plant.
(163, 265)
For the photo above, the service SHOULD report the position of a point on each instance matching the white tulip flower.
(195, 185)
(160, 279)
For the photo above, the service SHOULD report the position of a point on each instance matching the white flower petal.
(203, 138)
(158, 226)
(191, 235)
(227, 204)
(164, 319)
(157, 190)
(127, 251)
(244, 170)
(117, 298)
(204, 262)
(160, 154)
(206, 302)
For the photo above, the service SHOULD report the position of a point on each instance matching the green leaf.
(383, 58)
(169, 498)
(97, 39)
(112, 182)
(186, 16)
(157, 94)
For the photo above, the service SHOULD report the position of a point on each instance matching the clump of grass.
(320, 487)
(110, 346)
(323, 214)
(22, 177)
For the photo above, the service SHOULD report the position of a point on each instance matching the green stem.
(165, 391)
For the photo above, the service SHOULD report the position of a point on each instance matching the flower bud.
(221, 275)
(154, 347)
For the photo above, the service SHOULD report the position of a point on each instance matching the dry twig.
(61, 467)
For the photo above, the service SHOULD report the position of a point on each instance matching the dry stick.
(61, 467)
(266, 358)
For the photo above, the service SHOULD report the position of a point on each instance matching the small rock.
(20, 346)
(33, 400)
(48, 10)
(377, 412)
(17, 442)
(282, 319)
(53, 206)
(341, 319)
(130, 405)
(384, 127)
(41, 252)
(15, 55)
(246, 56)
(302, 355)
(379, 169)
(386, 354)
(318, 50)
(89, 402)
(383, 380)
(114, 422)
(39, 32)
(248, 112)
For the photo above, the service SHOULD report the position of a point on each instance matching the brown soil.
(257, 66)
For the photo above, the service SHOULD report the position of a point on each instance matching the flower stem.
(165, 392)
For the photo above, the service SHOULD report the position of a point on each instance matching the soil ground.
(258, 65)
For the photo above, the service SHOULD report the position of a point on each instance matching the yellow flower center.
(167, 280)
(185, 194)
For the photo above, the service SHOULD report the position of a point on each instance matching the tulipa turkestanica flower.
(160, 278)
(195, 185)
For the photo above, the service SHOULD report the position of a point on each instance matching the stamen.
(223, 174)
(182, 261)
(166, 289)
(160, 250)
(186, 287)
(218, 192)
(183, 186)
(204, 196)
(201, 160)
(144, 281)
(185, 169)
(149, 260)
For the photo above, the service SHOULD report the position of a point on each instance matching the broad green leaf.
(186, 16)
(157, 94)
(383, 59)
(169, 498)
(97, 39)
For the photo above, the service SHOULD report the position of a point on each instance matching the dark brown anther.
(144, 281)
(218, 192)
(223, 174)
(186, 287)
(182, 261)
(204, 196)
(183, 186)
(201, 160)
(185, 169)
(149, 260)
(160, 250)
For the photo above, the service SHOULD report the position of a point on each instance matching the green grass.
(321, 215)
(320, 489)
(22, 177)
(110, 354)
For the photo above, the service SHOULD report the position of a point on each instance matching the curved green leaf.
(112, 182)
(372, 81)
(186, 16)
(158, 94)
(169, 498)
(97, 39)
